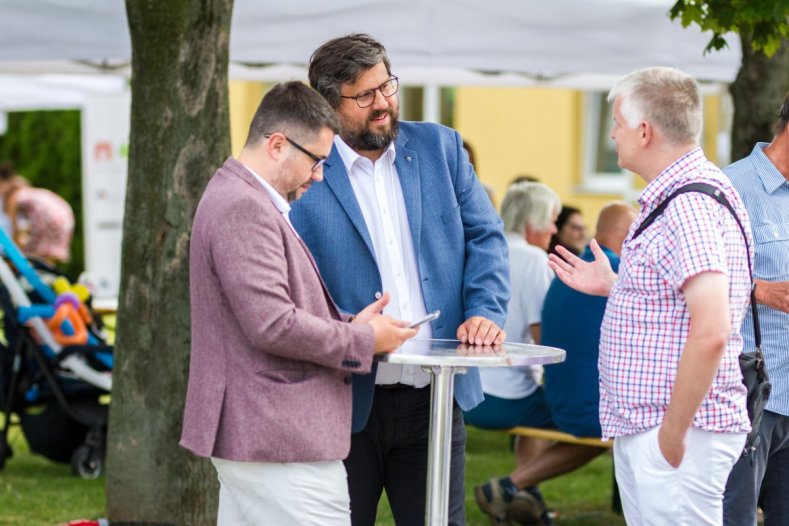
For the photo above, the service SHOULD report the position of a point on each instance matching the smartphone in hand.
(430, 317)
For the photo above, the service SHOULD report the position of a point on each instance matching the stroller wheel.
(87, 462)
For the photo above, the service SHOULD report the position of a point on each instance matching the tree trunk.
(179, 135)
(757, 92)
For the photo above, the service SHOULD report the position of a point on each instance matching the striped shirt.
(646, 322)
(766, 195)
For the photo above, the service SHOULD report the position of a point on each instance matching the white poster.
(105, 140)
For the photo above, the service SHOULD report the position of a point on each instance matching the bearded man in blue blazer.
(401, 210)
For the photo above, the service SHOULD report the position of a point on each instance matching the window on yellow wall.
(600, 172)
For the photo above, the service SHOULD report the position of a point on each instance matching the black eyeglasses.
(366, 98)
(319, 161)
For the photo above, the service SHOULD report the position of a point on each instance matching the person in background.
(571, 321)
(487, 186)
(513, 395)
(762, 179)
(40, 222)
(570, 231)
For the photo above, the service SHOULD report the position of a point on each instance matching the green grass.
(35, 491)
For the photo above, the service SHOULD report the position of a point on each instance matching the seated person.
(513, 395)
(570, 320)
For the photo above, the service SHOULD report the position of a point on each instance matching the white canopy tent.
(76, 54)
(446, 42)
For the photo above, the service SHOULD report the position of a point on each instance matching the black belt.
(393, 387)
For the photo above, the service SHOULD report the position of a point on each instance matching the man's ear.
(274, 145)
(646, 132)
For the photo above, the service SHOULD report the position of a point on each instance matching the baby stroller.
(55, 366)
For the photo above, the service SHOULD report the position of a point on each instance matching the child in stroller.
(55, 366)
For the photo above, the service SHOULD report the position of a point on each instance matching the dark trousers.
(761, 478)
(390, 454)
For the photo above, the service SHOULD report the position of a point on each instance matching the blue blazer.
(458, 241)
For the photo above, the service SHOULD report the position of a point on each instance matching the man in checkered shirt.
(671, 391)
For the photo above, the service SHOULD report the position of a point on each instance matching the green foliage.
(45, 147)
(765, 22)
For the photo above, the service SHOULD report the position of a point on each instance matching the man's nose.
(379, 102)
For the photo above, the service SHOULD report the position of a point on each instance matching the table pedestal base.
(442, 383)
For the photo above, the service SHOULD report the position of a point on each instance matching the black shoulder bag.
(754, 372)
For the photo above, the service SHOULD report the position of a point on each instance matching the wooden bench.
(559, 436)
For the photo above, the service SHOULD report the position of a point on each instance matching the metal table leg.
(440, 443)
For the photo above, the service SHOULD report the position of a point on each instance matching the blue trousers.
(761, 478)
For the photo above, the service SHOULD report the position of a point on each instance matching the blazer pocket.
(452, 215)
(286, 376)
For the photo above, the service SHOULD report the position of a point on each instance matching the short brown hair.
(292, 108)
(342, 60)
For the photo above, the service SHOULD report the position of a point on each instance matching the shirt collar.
(771, 178)
(349, 156)
(279, 201)
(659, 188)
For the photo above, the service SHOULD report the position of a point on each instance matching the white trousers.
(655, 494)
(283, 494)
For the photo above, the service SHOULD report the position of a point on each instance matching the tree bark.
(757, 92)
(179, 135)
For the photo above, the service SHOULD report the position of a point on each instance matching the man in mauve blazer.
(269, 395)
(404, 212)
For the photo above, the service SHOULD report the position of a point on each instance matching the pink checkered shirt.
(646, 319)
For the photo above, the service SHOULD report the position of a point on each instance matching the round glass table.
(443, 359)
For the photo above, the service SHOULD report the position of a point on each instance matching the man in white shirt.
(402, 211)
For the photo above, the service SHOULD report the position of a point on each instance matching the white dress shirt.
(280, 202)
(377, 189)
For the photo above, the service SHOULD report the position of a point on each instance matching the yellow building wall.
(244, 100)
(534, 131)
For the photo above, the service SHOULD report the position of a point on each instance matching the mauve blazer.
(458, 241)
(271, 357)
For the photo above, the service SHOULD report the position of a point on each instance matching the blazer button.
(378, 295)
(348, 379)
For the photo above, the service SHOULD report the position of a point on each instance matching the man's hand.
(389, 333)
(596, 278)
(480, 331)
(774, 294)
(672, 446)
(373, 309)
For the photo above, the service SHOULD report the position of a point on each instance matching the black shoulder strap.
(715, 193)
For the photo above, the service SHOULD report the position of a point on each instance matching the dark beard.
(370, 141)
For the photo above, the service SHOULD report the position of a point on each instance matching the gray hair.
(342, 60)
(532, 204)
(666, 98)
(292, 108)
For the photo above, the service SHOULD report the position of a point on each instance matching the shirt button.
(378, 295)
